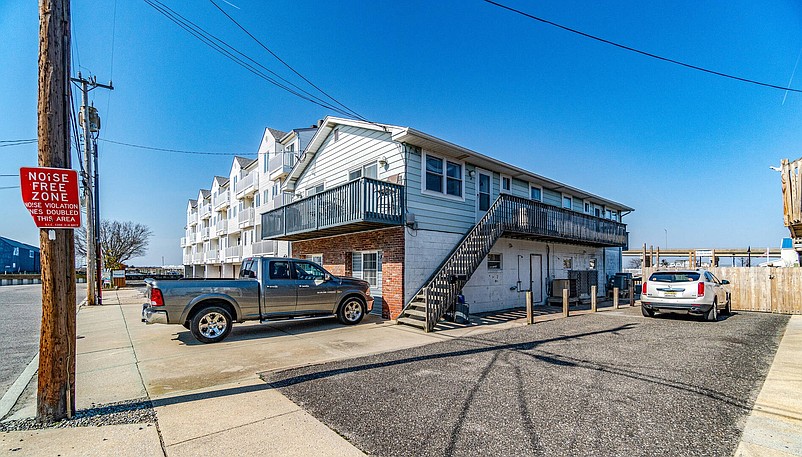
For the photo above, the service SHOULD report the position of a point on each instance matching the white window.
(443, 176)
(336, 135)
(314, 190)
(608, 214)
(567, 201)
(535, 193)
(615, 215)
(30, 254)
(368, 171)
(317, 258)
(506, 184)
(16, 252)
(494, 261)
(256, 202)
(265, 196)
(588, 208)
(367, 266)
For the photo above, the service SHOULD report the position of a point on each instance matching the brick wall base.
(337, 252)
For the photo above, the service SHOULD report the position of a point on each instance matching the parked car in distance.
(268, 289)
(697, 292)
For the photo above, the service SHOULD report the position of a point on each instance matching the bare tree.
(119, 241)
(635, 263)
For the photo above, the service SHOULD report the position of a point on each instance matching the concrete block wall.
(425, 251)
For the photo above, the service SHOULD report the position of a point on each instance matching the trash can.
(462, 311)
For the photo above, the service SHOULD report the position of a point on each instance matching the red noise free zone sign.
(51, 196)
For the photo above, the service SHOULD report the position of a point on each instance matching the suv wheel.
(351, 311)
(211, 324)
(712, 315)
(728, 306)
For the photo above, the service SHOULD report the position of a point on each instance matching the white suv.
(689, 291)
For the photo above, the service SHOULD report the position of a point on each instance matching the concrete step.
(412, 322)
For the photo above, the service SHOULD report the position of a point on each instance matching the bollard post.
(565, 302)
(592, 299)
(631, 293)
(530, 319)
(615, 297)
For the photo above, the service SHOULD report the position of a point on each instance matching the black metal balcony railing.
(362, 204)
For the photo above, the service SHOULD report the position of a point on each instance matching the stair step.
(412, 322)
(415, 313)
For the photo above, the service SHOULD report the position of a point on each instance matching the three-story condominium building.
(224, 223)
(424, 221)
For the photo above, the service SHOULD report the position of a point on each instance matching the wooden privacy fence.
(770, 290)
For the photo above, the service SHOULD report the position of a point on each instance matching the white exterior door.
(536, 277)
(484, 192)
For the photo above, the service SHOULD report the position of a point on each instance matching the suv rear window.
(674, 276)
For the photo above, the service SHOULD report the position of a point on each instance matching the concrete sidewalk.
(210, 397)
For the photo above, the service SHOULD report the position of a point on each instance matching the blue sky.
(689, 151)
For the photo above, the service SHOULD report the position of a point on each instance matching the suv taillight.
(643, 290)
(700, 291)
(156, 298)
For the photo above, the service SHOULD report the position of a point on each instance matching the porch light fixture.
(383, 162)
(471, 173)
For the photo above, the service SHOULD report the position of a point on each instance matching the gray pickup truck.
(268, 289)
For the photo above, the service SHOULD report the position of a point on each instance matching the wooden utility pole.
(55, 396)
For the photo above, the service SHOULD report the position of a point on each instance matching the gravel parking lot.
(612, 383)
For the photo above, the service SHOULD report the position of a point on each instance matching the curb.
(13, 394)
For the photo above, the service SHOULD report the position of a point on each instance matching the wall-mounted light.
(471, 173)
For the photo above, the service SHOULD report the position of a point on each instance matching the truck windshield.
(674, 276)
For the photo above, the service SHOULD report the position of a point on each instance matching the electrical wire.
(354, 113)
(9, 187)
(629, 48)
(178, 151)
(9, 143)
(220, 46)
(8, 176)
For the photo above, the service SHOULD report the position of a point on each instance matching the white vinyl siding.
(334, 160)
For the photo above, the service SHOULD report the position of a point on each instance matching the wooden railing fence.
(764, 289)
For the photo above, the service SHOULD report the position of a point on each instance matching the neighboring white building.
(224, 223)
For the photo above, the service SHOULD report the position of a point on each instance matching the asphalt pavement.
(611, 383)
(21, 307)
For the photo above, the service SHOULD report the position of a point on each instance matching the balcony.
(193, 218)
(363, 204)
(187, 259)
(266, 247)
(184, 242)
(211, 256)
(205, 233)
(247, 184)
(221, 227)
(197, 258)
(524, 218)
(280, 165)
(233, 254)
(205, 211)
(220, 201)
(246, 218)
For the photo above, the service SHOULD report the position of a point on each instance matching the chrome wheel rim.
(352, 310)
(212, 325)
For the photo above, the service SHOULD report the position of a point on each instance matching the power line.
(7, 144)
(220, 46)
(9, 187)
(629, 48)
(178, 151)
(8, 176)
(357, 115)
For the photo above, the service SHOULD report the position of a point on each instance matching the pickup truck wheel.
(352, 311)
(211, 324)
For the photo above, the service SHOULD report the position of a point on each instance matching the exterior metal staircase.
(511, 215)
